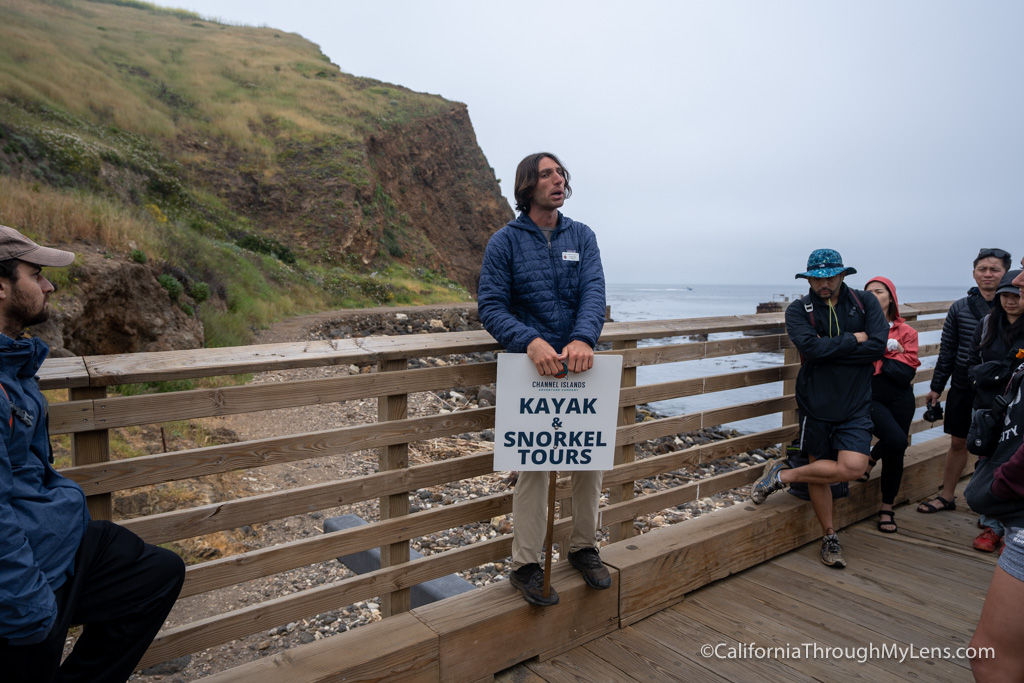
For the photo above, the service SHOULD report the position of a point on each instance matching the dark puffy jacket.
(42, 515)
(529, 289)
(834, 383)
(958, 340)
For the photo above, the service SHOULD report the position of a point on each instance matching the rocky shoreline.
(407, 321)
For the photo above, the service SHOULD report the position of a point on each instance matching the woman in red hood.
(892, 400)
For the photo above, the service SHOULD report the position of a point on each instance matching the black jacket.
(993, 360)
(834, 384)
(958, 340)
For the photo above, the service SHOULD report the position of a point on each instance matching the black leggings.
(891, 421)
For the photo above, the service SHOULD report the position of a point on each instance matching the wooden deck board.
(924, 586)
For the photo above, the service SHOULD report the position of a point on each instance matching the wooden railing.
(90, 413)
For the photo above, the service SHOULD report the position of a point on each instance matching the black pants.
(121, 592)
(891, 420)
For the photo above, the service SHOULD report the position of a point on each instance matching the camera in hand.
(933, 412)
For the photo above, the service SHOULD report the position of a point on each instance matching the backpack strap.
(10, 403)
(808, 303)
(856, 299)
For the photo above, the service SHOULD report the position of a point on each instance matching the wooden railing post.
(89, 448)
(394, 407)
(790, 356)
(624, 454)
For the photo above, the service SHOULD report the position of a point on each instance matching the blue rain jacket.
(529, 289)
(43, 515)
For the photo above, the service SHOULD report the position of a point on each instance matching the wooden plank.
(783, 620)
(493, 628)
(861, 609)
(653, 429)
(649, 393)
(687, 638)
(625, 453)
(251, 565)
(393, 457)
(245, 621)
(92, 447)
(776, 621)
(928, 325)
(403, 649)
(576, 666)
(642, 657)
(659, 464)
(72, 416)
(168, 365)
(126, 411)
(658, 568)
(152, 469)
(63, 373)
(165, 365)
(791, 357)
(206, 519)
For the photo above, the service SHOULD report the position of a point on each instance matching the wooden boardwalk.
(923, 587)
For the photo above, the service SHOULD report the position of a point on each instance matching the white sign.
(566, 422)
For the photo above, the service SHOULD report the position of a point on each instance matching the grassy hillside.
(238, 157)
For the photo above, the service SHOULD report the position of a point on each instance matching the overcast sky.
(718, 141)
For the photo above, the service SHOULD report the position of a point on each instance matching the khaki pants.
(529, 514)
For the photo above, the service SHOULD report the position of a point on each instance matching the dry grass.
(160, 74)
(60, 217)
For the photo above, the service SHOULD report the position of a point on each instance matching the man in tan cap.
(57, 566)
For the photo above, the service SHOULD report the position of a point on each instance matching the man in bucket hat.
(839, 333)
(57, 566)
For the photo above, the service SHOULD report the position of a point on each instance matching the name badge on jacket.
(570, 255)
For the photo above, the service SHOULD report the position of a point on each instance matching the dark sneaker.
(832, 552)
(768, 483)
(588, 561)
(530, 580)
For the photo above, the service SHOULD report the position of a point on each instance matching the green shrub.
(138, 256)
(173, 287)
(199, 291)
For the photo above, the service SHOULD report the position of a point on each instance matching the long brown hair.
(527, 176)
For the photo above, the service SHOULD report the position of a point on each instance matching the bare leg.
(848, 466)
(956, 460)
(1001, 627)
(821, 501)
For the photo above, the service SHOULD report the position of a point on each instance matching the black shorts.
(956, 419)
(824, 440)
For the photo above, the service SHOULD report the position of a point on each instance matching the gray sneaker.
(768, 483)
(832, 552)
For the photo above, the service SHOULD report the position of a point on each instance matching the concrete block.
(369, 560)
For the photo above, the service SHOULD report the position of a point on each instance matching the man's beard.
(21, 312)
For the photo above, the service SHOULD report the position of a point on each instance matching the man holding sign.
(542, 293)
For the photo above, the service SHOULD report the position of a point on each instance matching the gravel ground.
(286, 476)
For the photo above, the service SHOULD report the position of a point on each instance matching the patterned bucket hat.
(825, 263)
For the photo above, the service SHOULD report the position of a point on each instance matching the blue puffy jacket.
(43, 515)
(530, 289)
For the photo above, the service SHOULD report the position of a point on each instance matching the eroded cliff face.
(437, 174)
(116, 306)
(418, 192)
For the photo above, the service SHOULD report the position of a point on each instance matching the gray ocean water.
(659, 302)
